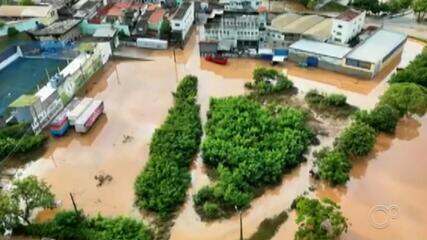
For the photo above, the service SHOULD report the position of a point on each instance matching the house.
(62, 30)
(45, 15)
(347, 25)
(107, 34)
(182, 20)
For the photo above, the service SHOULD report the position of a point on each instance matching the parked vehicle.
(89, 116)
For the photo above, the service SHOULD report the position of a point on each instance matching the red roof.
(349, 15)
(157, 16)
(118, 9)
(262, 9)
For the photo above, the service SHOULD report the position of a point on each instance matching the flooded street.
(137, 95)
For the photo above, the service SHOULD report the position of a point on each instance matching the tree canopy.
(407, 98)
(161, 187)
(318, 220)
(333, 166)
(249, 147)
(356, 140)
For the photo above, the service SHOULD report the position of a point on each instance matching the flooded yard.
(137, 95)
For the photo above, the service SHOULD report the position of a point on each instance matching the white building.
(235, 30)
(183, 19)
(347, 25)
(243, 5)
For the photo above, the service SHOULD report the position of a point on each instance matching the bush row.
(161, 187)
(267, 81)
(330, 104)
(71, 225)
(250, 147)
(18, 138)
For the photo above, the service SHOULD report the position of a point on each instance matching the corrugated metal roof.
(24, 11)
(321, 31)
(284, 20)
(302, 24)
(320, 48)
(378, 46)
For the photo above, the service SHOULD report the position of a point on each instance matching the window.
(339, 33)
(339, 26)
(338, 39)
(177, 24)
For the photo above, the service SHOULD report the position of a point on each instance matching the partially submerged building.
(365, 60)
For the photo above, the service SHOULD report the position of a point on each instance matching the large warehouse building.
(365, 60)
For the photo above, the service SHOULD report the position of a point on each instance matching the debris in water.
(127, 138)
(103, 178)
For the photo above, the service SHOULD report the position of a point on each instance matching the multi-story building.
(347, 25)
(183, 20)
(241, 5)
(235, 30)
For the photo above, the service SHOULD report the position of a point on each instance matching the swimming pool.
(23, 75)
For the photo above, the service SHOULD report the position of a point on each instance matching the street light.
(241, 225)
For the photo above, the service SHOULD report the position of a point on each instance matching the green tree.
(12, 31)
(415, 72)
(407, 98)
(356, 140)
(319, 220)
(420, 9)
(165, 29)
(9, 212)
(31, 193)
(333, 166)
(382, 118)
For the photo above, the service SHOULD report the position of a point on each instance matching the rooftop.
(284, 20)
(320, 48)
(349, 15)
(378, 46)
(180, 13)
(105, 32)
(156, 16)
(57, 28)
(302, 24)
(24, 101)
(119, 8)
(24, 11)
(321, 31)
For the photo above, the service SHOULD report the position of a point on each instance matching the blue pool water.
(23, 75)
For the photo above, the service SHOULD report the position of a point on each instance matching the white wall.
(184, 24)
(343, 31)
(11, 59)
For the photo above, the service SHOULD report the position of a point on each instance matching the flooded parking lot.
(137, 95)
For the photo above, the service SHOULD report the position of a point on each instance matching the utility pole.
(241, 223)
(74, 203)
(174, 61)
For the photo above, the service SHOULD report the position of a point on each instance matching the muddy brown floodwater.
(137, 95)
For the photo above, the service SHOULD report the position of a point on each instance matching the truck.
(89, 116)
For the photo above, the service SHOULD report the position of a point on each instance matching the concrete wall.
(11, 58)
(89, 28)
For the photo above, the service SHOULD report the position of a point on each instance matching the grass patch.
(269, 226)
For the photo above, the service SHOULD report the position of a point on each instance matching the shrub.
(163, 184)
(319, 219)
(356, 140)
(415, 72)
(382, 118)
(12, 31)
(336, 100)
(250, 146)
(267, 81)
(333, 166)
(407, 98)
(71, 225)
(331, 105)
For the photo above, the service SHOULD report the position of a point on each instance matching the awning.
(277, 58)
